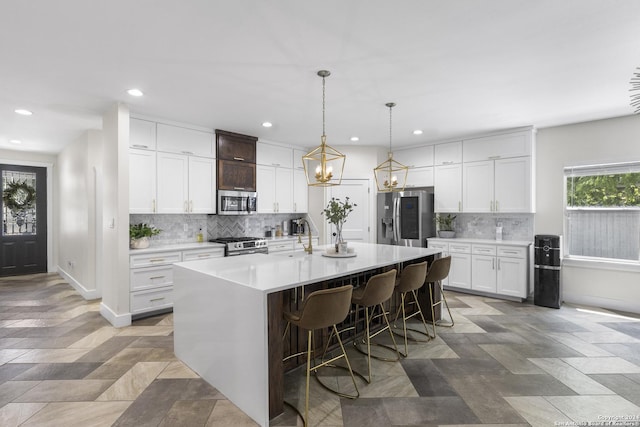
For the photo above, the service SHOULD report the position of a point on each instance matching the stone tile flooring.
(503, 363)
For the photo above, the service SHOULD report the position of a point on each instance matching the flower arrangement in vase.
(139, 235)
(336, 213)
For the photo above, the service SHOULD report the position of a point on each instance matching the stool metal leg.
(433, 305)
(403, 301)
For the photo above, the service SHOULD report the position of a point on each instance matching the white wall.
(113, 190)
(602, 141)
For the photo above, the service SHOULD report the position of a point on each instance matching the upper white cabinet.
(517, 144)
(415, 157)
(498, 186)
(300, 192)
(447, 182)
(142, 181)
(448, 154)
(174, 139)
(274, 155)
(186, 184)
(275, 189)
(420, 177)
(142, 134)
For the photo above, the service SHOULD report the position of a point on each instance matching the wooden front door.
(23, 237)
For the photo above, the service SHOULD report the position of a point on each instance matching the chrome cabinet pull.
(140, 146)
(157, 277)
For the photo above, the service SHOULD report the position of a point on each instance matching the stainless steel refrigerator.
(406, 218)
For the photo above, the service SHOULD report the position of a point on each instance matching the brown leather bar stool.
(439, 271)
(412, 278)
(374, 294)
(322, 309)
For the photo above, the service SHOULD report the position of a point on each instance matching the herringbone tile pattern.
(504, 363)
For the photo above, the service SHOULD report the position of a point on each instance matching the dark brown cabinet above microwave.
(236, 155)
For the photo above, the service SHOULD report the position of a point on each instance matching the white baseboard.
(87, 294)
(117, 320)
(612, 304)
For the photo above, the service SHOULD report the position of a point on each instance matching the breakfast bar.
(227, 314)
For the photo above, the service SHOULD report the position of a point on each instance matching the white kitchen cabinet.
(181, 140)
(420, 177)
(274, 155)
(460, 271)
(517, 144)
(280, 245)
(497, 186)
(478, 266)
(448, 153)
(512, 272)
(142, 181)
(447, 182)
(186, 184)
(300, 192)
(142, 134)
(415, 157)
(151, 277)
(275, 189)
(483, 265)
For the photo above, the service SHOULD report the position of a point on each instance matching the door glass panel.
(18, 203)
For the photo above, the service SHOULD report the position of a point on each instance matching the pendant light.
(390, 174)
(324, 165)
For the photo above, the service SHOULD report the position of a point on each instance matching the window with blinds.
(602, 211)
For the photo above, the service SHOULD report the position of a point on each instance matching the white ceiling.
(453, 67)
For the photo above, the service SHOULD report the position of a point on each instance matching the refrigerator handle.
(396, 219)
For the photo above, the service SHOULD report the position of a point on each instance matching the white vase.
(141, 243)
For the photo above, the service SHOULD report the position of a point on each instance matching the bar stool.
(322, 309)
(439, 271)
(412, 278)
(378, 290)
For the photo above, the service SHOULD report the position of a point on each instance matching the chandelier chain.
(390, 129)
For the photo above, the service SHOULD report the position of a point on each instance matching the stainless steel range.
(243, 245)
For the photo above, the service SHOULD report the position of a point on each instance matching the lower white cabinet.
(497, 269)
(151, 277)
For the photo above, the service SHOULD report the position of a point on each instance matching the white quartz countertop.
(176, 247)
(280, 271)
(482, 241)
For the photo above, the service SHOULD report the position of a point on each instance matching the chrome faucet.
(309, 248)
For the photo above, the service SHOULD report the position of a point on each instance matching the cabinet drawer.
(484, 250)
(151, 300)
(280, 246)
(462, 248)
(444, 247)
(202, 254)
(151, 277)
(512, 252)
(159, 258)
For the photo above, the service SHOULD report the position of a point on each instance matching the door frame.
(50, 224)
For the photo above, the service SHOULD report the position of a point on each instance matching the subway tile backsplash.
(184, 228)
(483, 226)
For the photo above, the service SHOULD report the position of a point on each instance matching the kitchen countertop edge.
(177, 247)
(482, 241)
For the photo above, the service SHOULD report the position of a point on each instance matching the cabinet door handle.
(140, 146)
(295, 207)
(497, 209)
(498, 263)
(156, 277)
(156, 299)
(204, 255)
(185, 208)
(275, 164)
(493, 264)
(493, 157)
(153, 205)
(187, 152)
(156, 260)
(459, 206)
(190, 205)
(491, 205)
(448, 162)
(277, 206)
(510, 252)
(240, 159)
(238, 188)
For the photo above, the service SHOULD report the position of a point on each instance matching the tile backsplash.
(483, 226)
(184, 228)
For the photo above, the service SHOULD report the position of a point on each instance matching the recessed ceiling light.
(417, 132)
(23, 112)
(135, 92)
(15, 141)
(355, 138)
(267, 124)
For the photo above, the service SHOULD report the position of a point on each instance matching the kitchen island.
(228, 315)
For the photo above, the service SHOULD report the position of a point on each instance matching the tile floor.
(503, 363)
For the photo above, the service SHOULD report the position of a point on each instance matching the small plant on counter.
(336, 213)
(445, 225)
(139, 235)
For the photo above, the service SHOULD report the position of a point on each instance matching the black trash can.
(547, 261)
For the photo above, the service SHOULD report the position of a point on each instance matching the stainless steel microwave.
(237, 202)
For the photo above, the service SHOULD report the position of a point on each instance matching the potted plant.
(139, 235)
(445, 225)
(336, 213)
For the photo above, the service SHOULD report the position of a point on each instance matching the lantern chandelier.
(321, 163)
(390, 175)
